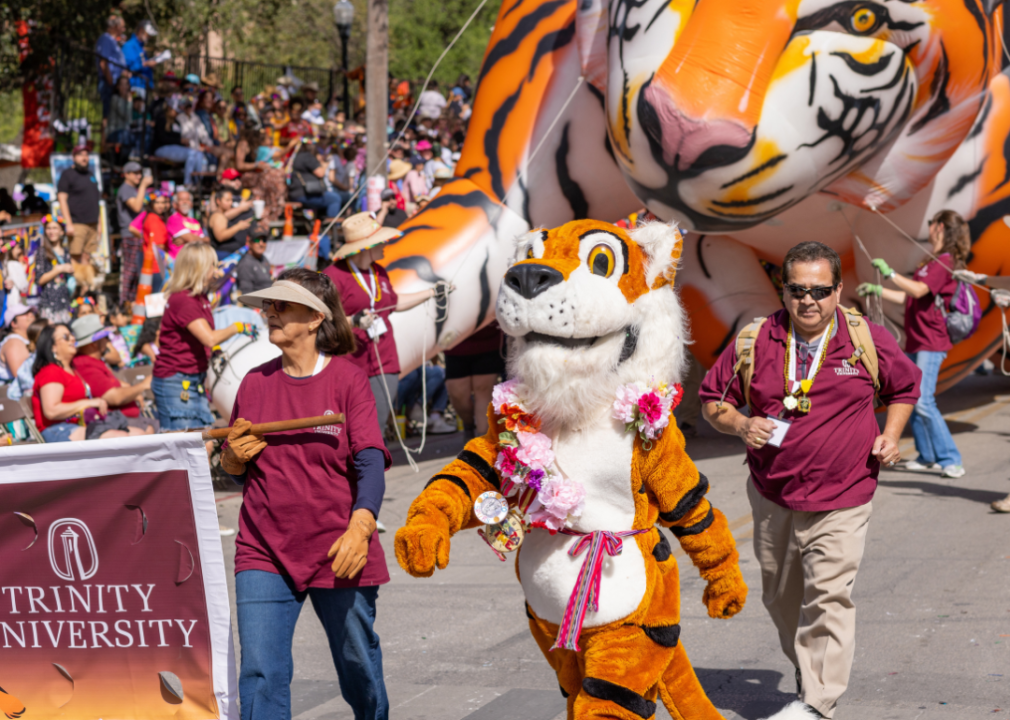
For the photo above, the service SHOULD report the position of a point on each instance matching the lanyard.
(815, 362)
(319, 364)
(374, 292)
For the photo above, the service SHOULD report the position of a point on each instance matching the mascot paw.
(422, 545)
(725, 596)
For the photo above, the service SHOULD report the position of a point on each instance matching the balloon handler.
(580, 463)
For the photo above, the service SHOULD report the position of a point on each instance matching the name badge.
(779, 433)
(377, 328)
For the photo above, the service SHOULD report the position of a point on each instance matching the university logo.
(846, 369)
(329, 429)
(72, 551)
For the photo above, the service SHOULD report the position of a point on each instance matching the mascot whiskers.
(581, 461)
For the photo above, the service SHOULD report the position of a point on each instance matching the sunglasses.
(278, 305)
(816, 293)
(258, 241)
(64, 338)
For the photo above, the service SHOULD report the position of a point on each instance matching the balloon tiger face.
(590, 306)
(724, 113)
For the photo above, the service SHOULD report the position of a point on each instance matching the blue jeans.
(932, 436)
(194, 159)
(268, 608)
(174, 413)
(59, 433)
(409, 390)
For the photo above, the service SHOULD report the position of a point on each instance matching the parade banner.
(113, 595)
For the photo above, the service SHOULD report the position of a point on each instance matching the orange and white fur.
(590, 307)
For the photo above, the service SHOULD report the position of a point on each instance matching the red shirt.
(155, 233)
(355, 299)
(98, 376)
(73, 390)
(299, 492)
(824, 462)
(180, 351)
(925, 326)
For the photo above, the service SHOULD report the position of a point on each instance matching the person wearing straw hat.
(369, 300)
(310, 502)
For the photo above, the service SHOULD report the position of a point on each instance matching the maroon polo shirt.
(180, 351)
(824, 462)
(355, 299)
(300, 490)
(925, 326)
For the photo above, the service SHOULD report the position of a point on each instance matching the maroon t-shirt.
(824, 462)
(180, 351)
(925, 326)
(355, 299)
(300, 490)
(98, 376)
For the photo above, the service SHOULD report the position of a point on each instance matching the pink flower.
(534, 450)
(561, 498)
(504, 394)
(626, 402)
(506, 461)
(651, 407)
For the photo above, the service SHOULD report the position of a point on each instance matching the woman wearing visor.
(310, 501)
(368, 299)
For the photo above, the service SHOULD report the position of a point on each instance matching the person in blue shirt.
(110, 60)
(136, 56)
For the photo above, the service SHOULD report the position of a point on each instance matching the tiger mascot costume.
(593, 316)
(750, 123)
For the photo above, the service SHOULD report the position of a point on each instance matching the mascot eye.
(601, 260)
(529, 253)
(863, 20)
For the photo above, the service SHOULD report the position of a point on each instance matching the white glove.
(1001, 298)
(969, 277)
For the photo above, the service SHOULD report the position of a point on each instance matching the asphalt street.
(933, 599)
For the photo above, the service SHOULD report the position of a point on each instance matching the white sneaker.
(796, 711)
(416, 414)
(438, 426)
(916, 466)
(953, 471)
(226, 531)
(379, 526)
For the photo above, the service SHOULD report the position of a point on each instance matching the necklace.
(375, 291)
(797, 393)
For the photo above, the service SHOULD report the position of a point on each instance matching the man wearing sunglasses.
(814, 450)
(253, 270)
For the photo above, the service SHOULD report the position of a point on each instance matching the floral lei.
(526, 456)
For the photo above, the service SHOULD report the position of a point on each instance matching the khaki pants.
(808, 567)
(85, 239)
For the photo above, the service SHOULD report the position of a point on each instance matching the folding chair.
(10, 412)
(28, 415)
(134, 375)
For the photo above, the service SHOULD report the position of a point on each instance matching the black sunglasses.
(278, 305)
(816, 293)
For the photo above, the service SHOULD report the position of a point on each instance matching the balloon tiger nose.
(531, 279)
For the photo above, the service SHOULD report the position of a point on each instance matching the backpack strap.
(744, 367)
(862, 340)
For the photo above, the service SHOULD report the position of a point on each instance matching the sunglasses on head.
(816, 293)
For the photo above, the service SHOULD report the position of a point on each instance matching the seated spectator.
(229, 224)
(92, 345)
(431, 102)
(262, 171)
(147, 347)
(33, 204)
(60, 402)
(431, 164)
(230, 179)
(119, 319)
(14, 265)
(170, 144)
(183, 228)
(307, 188)
(117, 128)
(14, 346)
(415, 185)
(389, 215)
(25, 379)
(297, 127)
(341, 167)
(253, 270)
(409, 395)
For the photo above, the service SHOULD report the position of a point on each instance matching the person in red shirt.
(814, 451)
(927, 341)
(92, 341)
(155, 234)
(187, 336)
(310, 501)
(368, 299)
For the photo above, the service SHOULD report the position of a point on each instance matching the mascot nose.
(531, 279)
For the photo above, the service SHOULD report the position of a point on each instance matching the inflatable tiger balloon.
(754, 124)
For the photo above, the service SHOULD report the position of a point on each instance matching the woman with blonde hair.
(925, 296)
(187, 336)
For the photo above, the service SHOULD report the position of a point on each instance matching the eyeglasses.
(816, 293)
(278, 305)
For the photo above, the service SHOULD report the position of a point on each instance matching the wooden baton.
(279, 426)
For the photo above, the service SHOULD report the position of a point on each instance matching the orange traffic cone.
(289, 225)
(144, 286)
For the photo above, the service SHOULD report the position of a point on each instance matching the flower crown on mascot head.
(582, 464)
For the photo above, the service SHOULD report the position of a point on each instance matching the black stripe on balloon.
(569, 188)
(941, 103)
(485, 292)
(865, 69)
(514, 40)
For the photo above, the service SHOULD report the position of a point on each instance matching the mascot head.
(591, 307)
(724, 113)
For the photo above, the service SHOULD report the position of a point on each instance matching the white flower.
(790, 402)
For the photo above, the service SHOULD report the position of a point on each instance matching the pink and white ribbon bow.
(586, 592)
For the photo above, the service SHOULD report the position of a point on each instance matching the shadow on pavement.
(980, 496)
(750, 693)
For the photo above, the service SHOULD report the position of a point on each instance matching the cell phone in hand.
(147, 172)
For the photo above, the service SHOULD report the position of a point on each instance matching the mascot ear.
(525, 241)
(662, 244)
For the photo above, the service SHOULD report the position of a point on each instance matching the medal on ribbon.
(797, 393)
